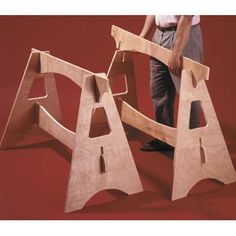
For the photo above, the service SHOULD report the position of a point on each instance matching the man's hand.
(175, 64)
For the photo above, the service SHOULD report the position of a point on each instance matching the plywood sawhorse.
(200, 153)
(98, 163)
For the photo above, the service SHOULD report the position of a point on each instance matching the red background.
(33, 177)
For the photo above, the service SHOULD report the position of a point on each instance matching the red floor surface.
(34, 182)
(34, 176)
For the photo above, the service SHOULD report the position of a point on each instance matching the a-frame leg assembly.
(200, 153)
(98, 163)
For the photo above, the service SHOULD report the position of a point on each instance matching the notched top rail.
(131, 42)
(52, 64)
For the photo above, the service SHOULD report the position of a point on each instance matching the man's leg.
(162, 92)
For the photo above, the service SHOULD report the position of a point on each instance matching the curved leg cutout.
(96, 196)
(186, 189)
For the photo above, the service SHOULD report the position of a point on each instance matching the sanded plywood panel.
(103, 162)
(200, 153)
(22, 116)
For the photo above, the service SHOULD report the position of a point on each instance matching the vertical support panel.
(103, 162)
(22, 116)
(201, 152)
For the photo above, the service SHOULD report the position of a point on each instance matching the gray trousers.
(163, 84)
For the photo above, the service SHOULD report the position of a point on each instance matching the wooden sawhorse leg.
(103, 162)
(200, 153)
(22, 117)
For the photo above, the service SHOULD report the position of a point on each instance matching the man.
(183, 35)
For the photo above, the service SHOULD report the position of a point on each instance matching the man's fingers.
(175, 68)
(175, 71)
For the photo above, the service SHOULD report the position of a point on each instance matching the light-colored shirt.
(172, 20)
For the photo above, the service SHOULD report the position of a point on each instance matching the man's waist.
(164, 29)
(170, 28)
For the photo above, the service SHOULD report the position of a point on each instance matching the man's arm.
(181, 39)
(148, 25)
